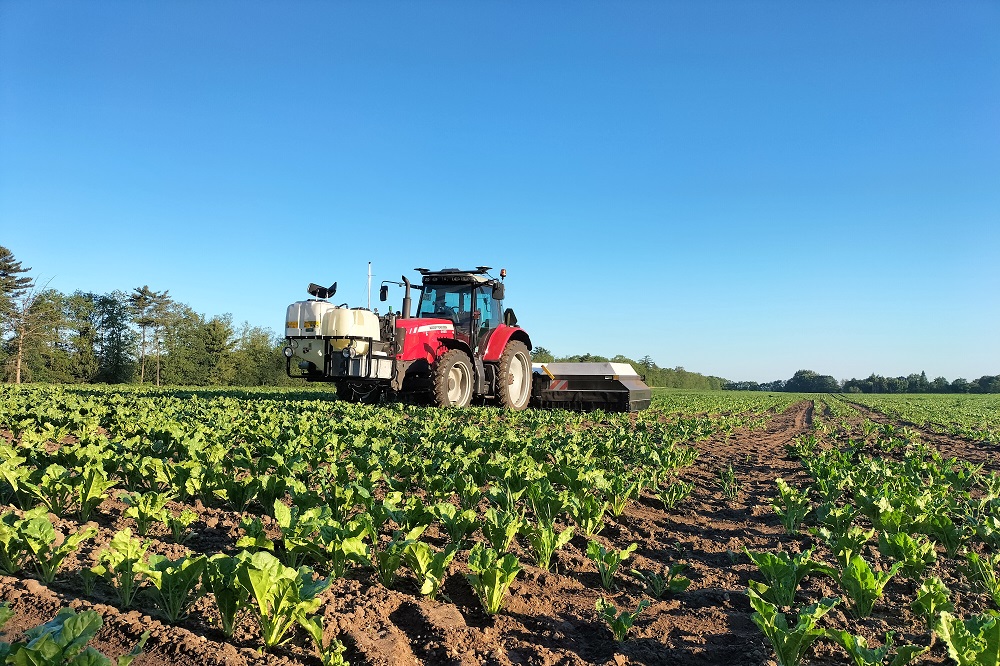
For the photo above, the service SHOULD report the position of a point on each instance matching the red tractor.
(460, 346)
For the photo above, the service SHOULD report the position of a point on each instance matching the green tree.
(542, 355)
(27, 318)
(807, 381)
(12, 283)
(219, 343)
(47, 356)
(145, 306)
(81, 334)
(116, 339)
(257, 358)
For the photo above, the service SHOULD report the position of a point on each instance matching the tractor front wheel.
(451, 379)
(514, 376)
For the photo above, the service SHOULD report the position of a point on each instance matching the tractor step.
(613, 387)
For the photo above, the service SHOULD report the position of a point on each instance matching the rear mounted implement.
(613, 387)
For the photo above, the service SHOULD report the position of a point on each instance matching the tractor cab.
(470, 300)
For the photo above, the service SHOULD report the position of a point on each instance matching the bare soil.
(549, 617)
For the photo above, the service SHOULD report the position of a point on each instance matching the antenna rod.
(369, 285)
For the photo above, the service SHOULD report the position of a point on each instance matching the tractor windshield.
(470, 307)
(446, 301)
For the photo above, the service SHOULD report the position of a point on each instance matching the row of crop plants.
(329, 486)
(882, 507)
(974, 417)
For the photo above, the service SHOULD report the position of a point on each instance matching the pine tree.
(12, 283)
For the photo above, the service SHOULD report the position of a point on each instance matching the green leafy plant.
(620, 623)
(146, 509)
(13, 549)
(344, 545)
(427, 565)
(180, 524)
(388, 558)
(914, 553)
(608, 561)
(932, 598)
(862, 655)
(669, 582)
(254, 535)
(300, 529)
(545, 502)
(56, 489)
(587, 510)
(864, 585)
(330, 654)
(793, 507)
(92, 489)
(457, 523)
(728, 483)
(790, 643)
(623, 489)
(176, 583)
(847, 544)
(783, 573)
(942, 528)
(674, 493)
(837, 518)
(39, 537)
(469, 493)
(121, 564)
(545, 541)
(974, 641)
(220, 579)
(282, 595)
(63, 640)
(491, 576)
(500, 528)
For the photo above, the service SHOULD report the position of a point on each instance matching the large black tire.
(514, 376)
(451, 379)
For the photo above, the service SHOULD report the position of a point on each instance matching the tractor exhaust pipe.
(405, 314)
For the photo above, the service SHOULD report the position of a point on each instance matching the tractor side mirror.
(383, 293)
(498, 291)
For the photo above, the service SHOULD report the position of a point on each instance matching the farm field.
(411, 522)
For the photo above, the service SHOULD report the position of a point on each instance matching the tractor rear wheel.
(451, 379)
(514, 376)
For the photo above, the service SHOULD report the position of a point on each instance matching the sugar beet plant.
(608, 560)
(620, 623)
(491, 576)
(790, 641)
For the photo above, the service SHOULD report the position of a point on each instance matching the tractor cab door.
(485, 318)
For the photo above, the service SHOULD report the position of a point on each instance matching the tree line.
(142, 336)
(807, 381)
(652, 374)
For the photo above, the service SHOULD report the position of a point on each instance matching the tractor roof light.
(503, 273)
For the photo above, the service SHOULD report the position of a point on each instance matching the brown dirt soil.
(549, 618)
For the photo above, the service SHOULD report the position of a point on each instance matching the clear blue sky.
(742, 188)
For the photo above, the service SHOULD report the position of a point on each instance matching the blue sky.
(741, 188)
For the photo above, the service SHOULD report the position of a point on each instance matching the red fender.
(500, 337)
